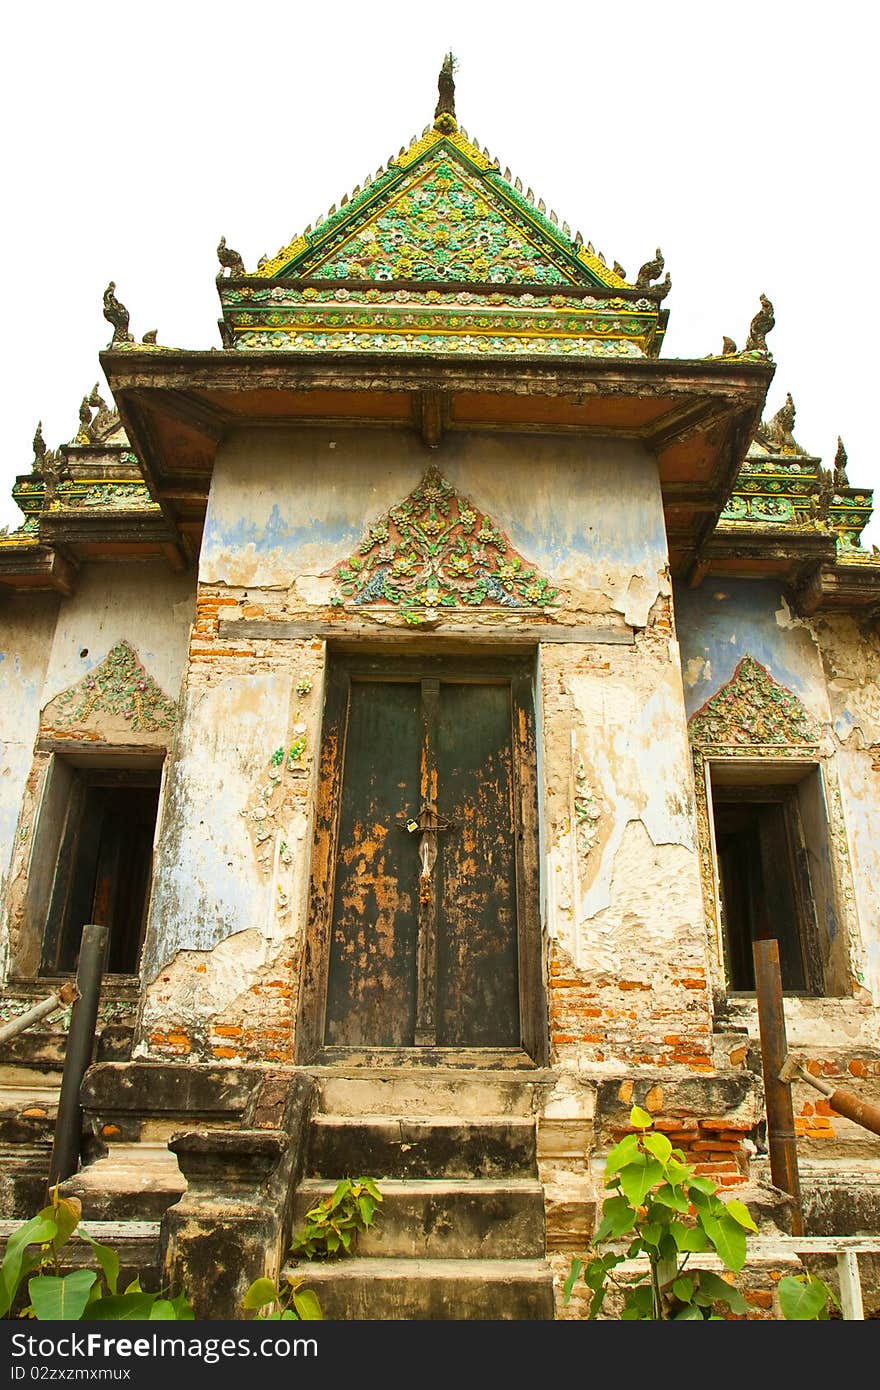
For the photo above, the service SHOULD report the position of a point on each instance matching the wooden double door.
(424, 926)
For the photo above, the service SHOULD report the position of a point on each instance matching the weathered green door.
(426, 919)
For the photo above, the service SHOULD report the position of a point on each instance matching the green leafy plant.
(271, 1304)
(33, 1254)
(805, 1298)
(667, 1213)
(333, 1224)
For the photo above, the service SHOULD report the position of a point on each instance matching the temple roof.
(442, 252)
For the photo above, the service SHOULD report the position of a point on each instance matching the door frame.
(342, 669)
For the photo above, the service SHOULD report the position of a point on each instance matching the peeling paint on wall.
(285, 507)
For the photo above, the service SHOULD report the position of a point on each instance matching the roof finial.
(761, 324)
(840, 462)
(117, 314)
(444, 115)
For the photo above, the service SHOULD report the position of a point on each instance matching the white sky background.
(741, 139)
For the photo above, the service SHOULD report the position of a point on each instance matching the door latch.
(424, 822)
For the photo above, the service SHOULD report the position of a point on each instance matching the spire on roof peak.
(444, 115)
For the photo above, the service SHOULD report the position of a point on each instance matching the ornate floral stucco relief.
(436, 552)
(119, 687)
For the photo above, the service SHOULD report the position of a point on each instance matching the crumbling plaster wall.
(851, 660)
(621, 884)
(628, 970)
(287, 506)
(144, 604)
(27, 622)
(832, 668)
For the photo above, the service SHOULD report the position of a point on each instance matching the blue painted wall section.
(724, 620)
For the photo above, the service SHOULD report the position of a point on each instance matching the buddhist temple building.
(437, 691)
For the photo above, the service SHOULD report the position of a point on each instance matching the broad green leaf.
(372, 1189)
(641, 1297)
(121, 1307)
(16, 1261)
(659, 1146)
(162, 1311)
(597, 1271)
(801, 1298)
(64, 1299)
(651, 1231)
(627, 1151)
(260, 1292)
(618, 1217)
(671, 1197)
(667, 1263)
(574, 1274)
(676, 1171)
(689, 1313)
(307, 1306)
(109, 1262)
(640, 1119)
(728, 1238)
(740, 1212)
(638, 1179)
(683, 1288)
(596, 1302)
(134, 1286)
(717, 1290)
(692, 1239)
(183, 1309)
(342, 1190)
(704, 1185)
(367, 1209)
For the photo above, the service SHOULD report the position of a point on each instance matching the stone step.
(361, 1289)
(381, 1147)
(441, 1092)
(447, 1219)
(27, 1118)
(133, 1182)
(24, 1172)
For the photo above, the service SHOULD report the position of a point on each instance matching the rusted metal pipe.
(781, 1138)
(842, 1102)
(78, 1054)
(59, 1000)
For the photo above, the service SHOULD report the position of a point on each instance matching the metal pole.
(78, 1054)
(50, 1005)
(777, 1095)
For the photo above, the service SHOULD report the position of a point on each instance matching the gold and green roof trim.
(441, 253)
(780, 487)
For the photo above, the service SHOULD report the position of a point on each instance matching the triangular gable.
(753, 711)
(119, 687)
(435, 550)
(441, 211)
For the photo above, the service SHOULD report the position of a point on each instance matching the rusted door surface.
(424, 924)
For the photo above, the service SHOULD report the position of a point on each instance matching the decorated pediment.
(118, 691)
(445, 218)
(442, 252)
(753, 711)
(436, 552)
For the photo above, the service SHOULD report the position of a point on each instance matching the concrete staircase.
(460, 1233)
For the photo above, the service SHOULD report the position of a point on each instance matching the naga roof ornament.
(441, 252)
